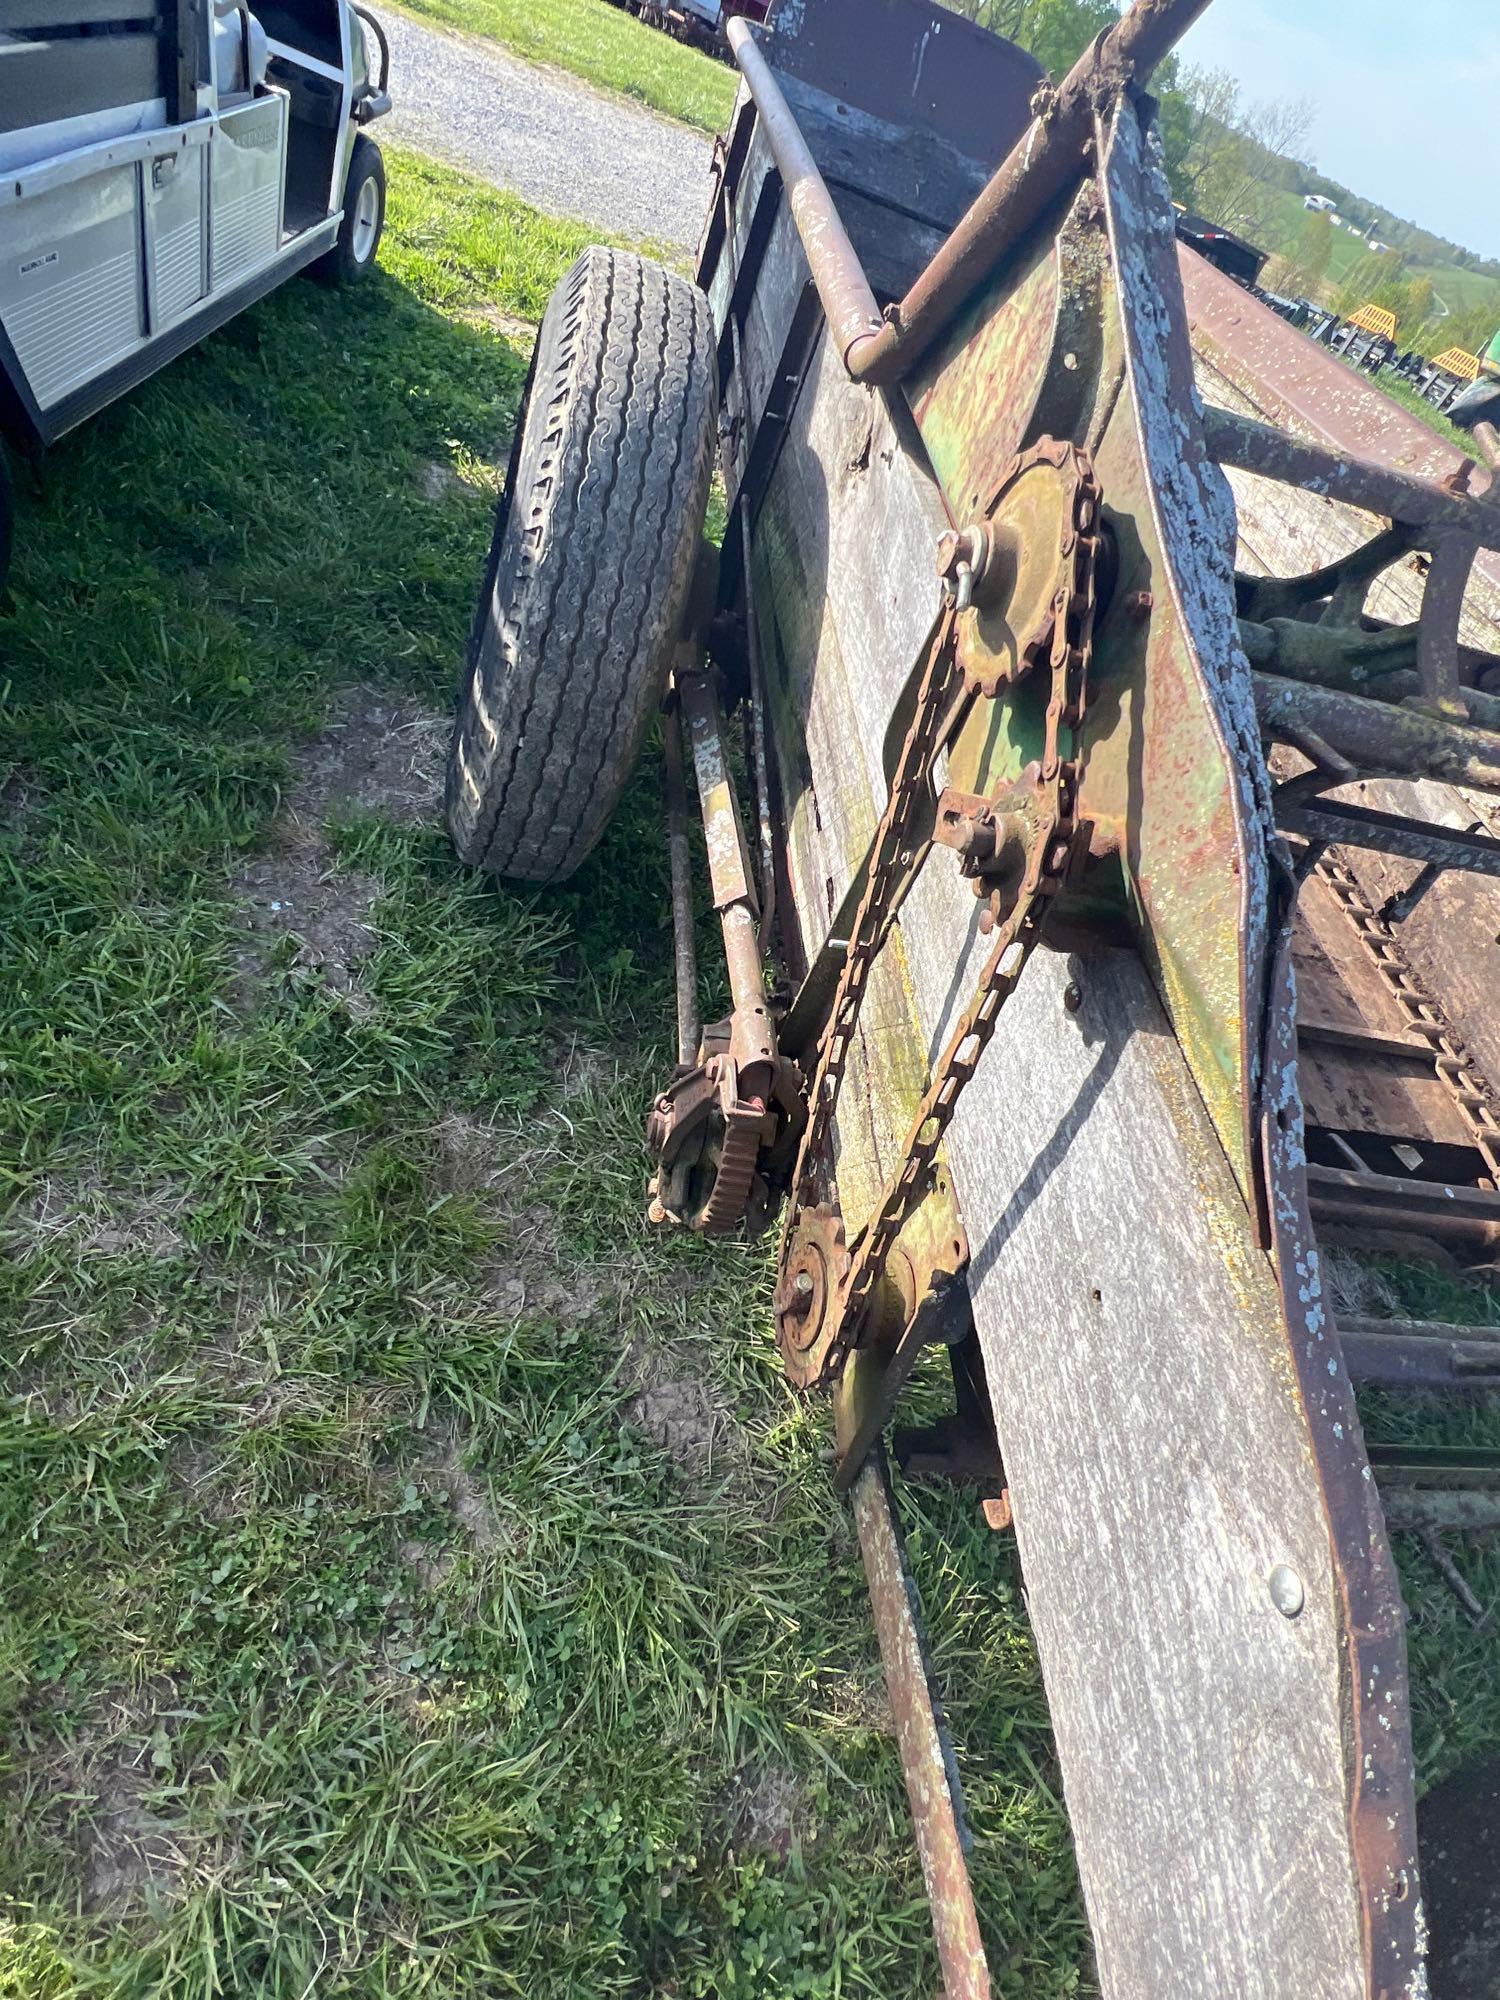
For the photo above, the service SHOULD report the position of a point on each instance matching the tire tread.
(591, 569)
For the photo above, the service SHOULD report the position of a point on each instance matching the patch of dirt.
(521, 331)
(438, 481)
(326, 911)
(582, 1071)
(94, 1219)
(378, 755)
(680, 1413)
(767, 1813)
(21, 798)
(533, 1284)
(126, 1851)
(469, 1153)
(441, 1470)
(471, 1504)
(101, 1787)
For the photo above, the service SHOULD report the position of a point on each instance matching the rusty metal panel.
(918, 66)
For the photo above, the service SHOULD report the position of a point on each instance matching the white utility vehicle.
(163, 164)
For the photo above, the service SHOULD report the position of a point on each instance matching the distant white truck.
(163, 164)
(1320, 202)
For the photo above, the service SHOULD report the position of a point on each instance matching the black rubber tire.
(592, 559)
(342, 265)
(1478, 404)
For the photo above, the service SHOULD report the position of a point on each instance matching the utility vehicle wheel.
(359, 234)
(595, 542)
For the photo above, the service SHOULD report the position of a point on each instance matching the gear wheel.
(812, 1269)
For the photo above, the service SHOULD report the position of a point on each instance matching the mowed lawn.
(414, 1576)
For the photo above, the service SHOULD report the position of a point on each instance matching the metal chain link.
(1049, 860)
(1455, 1067)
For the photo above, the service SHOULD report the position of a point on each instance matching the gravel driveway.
(550, 139)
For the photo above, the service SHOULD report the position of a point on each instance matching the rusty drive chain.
(1049, 859)
(1424, 1019)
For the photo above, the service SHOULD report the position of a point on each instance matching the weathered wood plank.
(851, 495)
(1156, 1449)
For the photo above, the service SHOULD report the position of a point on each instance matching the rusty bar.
(767, 874)
(752, 1038)
(1334, 656)
(926, 1758)
(836, 270)
(1398, 1355)
(1042, 163)
(1412, 1507)
(1378, 739)
(1401, 496)
(1465, 1468)
(1425, 1209)
(1335, 824)
(1437, 630)
(684, 947)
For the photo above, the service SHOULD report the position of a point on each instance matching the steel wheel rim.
(366, 221)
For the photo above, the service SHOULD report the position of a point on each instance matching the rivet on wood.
(1286, 1590)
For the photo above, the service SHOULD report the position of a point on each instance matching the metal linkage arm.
(1045, 160)
(1374, 738)
(1400, 496)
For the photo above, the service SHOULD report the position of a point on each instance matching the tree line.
(1235, 162)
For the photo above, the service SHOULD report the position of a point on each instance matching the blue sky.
(1407, 95)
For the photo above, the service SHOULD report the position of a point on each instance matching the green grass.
(414, 1575)
(1402, 393)
(605, 46)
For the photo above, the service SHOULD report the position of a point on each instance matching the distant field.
(1461, 289)
(1457, 289)
(1290, 214)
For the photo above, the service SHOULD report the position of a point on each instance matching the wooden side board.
(1156, 1438)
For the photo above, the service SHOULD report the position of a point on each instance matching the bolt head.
(802, 1284)
(1287, 1593)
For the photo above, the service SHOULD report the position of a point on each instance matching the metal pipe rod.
(1377, 739)
(1439, 1507)
(1437, 629)
(679, 853)
(1407, 1360)
(836, 270)
(758, 726)
(1044, 161)
(1401, 496)
(1047, 156)
(1330, 821)
(926, 1760)
(752, 1037)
